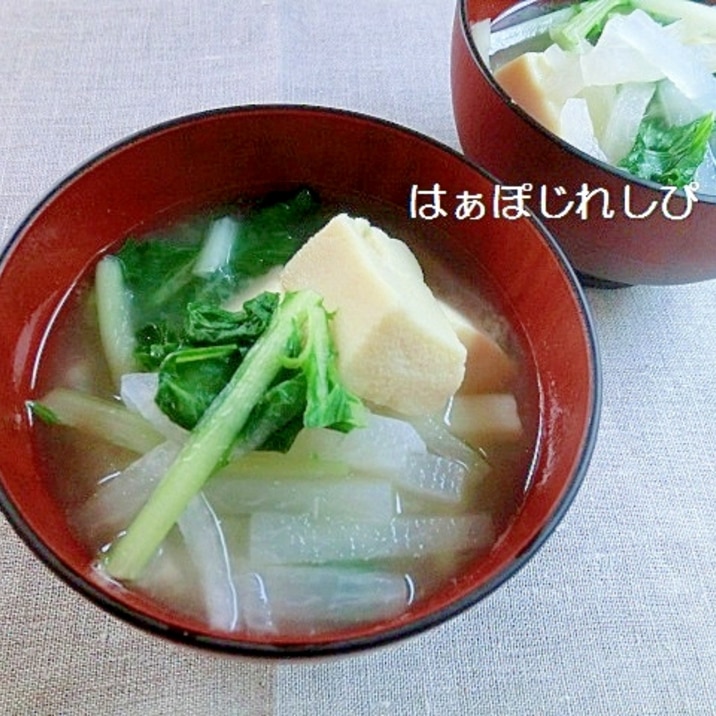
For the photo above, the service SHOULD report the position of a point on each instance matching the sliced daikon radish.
(138, 392)
(354, 496)
(277, 465)
(236, 536)
(706, 54)
(170, 577)
(566, 78)
(613, 61)
(600, 101)
(118, 498)
(688, 32)
(411, 503)
(693, 13)
(391, 448)
(677, 62)
(217, 248)
(480, 419)
(207, 547)
(676, 107)
(434, 476)
(576, 127)
(439, 440)
(307, 600)
(101, 418)
(380, 447)
(628, 111)
(706, 174)
(114, 310)
(482, 37)
(286, 539)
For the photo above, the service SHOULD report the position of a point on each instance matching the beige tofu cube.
(488, 368)
(396, 348)
(524, 80)
(485, 419)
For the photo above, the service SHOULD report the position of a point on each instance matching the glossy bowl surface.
(501, 137)
(193, 162)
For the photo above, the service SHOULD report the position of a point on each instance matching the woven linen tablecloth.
(614, 616)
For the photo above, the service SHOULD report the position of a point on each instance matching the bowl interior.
(193, 163)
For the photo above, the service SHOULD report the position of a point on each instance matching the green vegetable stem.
(114, 310)
(296, 339)
(589, 19)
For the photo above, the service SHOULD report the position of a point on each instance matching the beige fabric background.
(615, 616)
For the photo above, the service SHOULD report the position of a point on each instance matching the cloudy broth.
(80, 466)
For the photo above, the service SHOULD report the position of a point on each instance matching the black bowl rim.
(329, 648)
(621, 174)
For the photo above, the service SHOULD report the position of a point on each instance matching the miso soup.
(309, 529)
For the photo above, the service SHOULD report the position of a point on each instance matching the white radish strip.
(352, 497)
(575, 127)
(216, 250)
(433, 476)
(481, 36)
(308, 600)
(600, 101)
(138, 392)
(392, 448)
(105, 419)
(170, 577)
(706, 54)
(381, 447)
(627, 114)
(706, 174)
(285, 539)
(441, 441)
(208, 550)
(114, 309)
(118, 498)
(693, 13)
(277, 465)
(614, 61)
(688, 32)
(676, 107)
(566, 77)
(677, 62)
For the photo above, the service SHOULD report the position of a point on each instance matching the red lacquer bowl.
(661, 248)
(188, 164)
